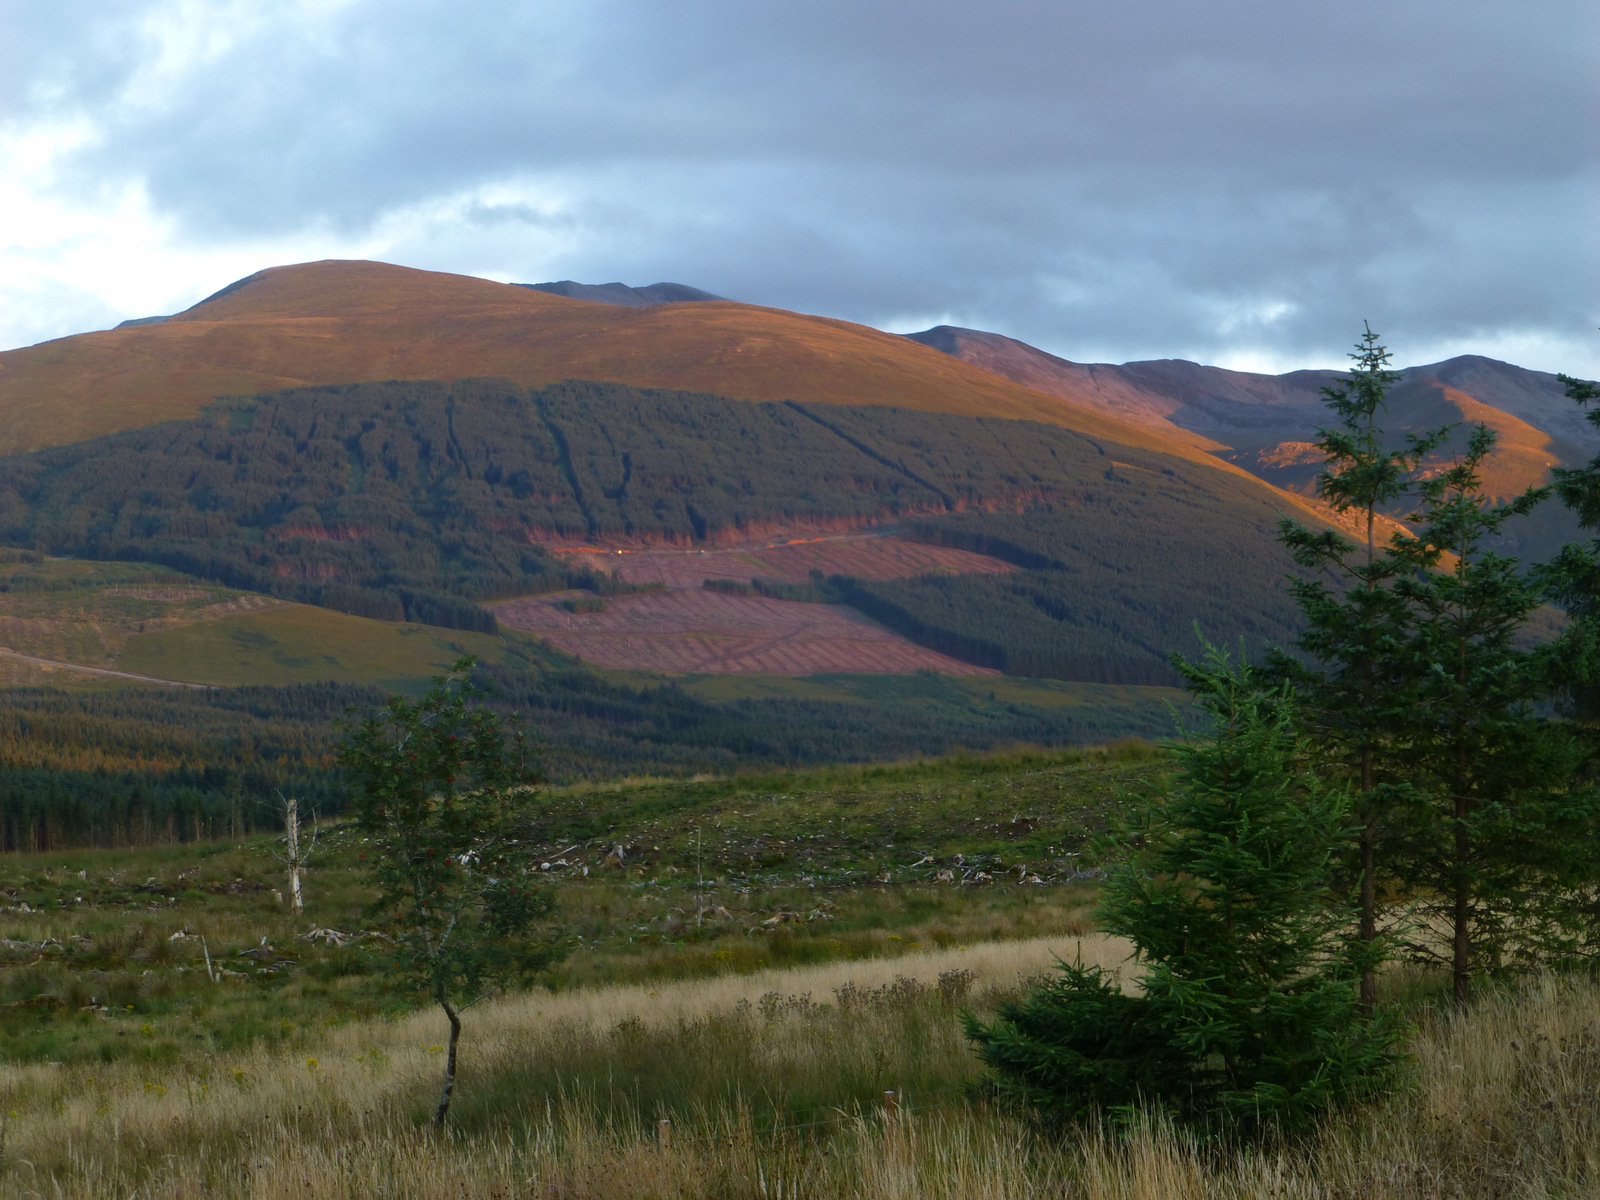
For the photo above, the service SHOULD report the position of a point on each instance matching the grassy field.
(772, 1086)
(105, 950)
(147, 620)
(769, 957)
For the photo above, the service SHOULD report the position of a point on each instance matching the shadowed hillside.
(1267, 423)
(346, 322)
(412, 500)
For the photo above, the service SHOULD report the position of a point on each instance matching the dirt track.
(863, 555)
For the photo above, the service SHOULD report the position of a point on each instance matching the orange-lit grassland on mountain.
(344, 322)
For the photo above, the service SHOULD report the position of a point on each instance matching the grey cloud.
(1138, 176)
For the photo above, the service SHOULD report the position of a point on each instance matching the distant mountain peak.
(621, 293)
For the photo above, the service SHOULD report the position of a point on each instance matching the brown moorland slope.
(1523, 453)
(1266, 423)
(343, 322)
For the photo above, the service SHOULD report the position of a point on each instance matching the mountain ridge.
(1267, 424)
(621, 293)
(340, 321)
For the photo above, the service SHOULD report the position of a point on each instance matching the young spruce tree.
(1353, 689)
(1249, 1018)
(1504, 833)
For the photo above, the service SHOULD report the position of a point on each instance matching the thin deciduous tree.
(444, 799)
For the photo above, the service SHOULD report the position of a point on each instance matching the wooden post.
(891, 1111)
(664, 1133)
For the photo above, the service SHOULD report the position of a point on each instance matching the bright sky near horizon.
(1240, 182)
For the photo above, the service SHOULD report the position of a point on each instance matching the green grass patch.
(105, 951)
(301, 644)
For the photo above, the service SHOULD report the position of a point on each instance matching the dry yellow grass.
(1505, 1102)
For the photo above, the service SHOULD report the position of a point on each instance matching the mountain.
(1267, 423)
(621, 293)
(349, 322)
(407, 445)
(412, 501)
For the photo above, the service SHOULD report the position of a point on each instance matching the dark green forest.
(132, 766)
(416, 500)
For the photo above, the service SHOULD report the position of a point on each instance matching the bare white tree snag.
(297, 852)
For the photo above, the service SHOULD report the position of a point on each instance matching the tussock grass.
(774, 1094)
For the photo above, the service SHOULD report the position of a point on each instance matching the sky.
(1240, 182)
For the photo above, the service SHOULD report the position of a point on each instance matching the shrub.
(1248, 1018)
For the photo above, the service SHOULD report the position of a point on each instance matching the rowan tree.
(444, 797)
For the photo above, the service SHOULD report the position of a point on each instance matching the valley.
(738, 993)
(679, 533)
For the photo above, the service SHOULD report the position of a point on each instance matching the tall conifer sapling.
(1354, 687)
(1499, 833)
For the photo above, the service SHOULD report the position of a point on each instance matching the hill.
(1242, 411)
(413, 500)
(1266, 423)
(346, 322)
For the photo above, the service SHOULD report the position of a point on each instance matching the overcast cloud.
(1241, 181)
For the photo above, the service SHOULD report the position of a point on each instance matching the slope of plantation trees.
(415, 499)
(137, 766)
(1034, 621)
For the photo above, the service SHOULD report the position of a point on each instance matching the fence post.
(664, 1133)
(891, 1111)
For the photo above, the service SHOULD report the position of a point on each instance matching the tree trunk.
(292, 831)
(1460, 957)
(1369, 883)
(440, 1113)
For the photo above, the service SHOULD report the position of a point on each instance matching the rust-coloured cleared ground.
(686, 628)
(864, 555)
(701, 632)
